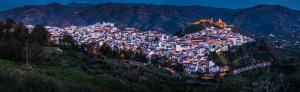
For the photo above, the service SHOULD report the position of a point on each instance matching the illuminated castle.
(220, 23)
(210, 21)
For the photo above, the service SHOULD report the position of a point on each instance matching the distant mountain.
(267, 19)
(261, 20)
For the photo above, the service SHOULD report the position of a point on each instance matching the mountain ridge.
(260, 20)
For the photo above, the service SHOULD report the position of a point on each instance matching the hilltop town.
(93, 46)
(191, 50)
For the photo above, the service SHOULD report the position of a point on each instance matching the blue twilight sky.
(293, 4)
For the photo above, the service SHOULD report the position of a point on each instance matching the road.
(260, 65)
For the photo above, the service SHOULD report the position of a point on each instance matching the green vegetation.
(198, 27)
(241, 31)
(68, 68)
(283, 75)
(16, 41)
(73, 70)
(189, 30)
(244, 55)
(59, 79)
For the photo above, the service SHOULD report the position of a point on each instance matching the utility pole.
(27, 55)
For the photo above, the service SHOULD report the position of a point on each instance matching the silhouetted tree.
(21, 32)
(1, 26)
(155, 59)
(40, 35)
(67, 40)
(10, 48)
(140, 57)
(10, 23)
(10, 41)
(107, 50)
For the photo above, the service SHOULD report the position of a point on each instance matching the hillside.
(29, 63)
(73, 70)
(62, 72)
(202, 26)
(266, 19)
(190, 29)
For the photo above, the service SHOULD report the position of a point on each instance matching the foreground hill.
(261, 20)
(28, 63)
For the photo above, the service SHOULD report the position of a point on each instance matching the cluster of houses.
(191, 50)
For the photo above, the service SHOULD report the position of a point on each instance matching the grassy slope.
(72, 70)
(59, 78)
(77, 72)
(64, 74)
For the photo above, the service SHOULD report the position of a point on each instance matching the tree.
(40, 35)
(155, 59)
(107, 50)
(68, 40)
(11, 48)
(234, 63)
(11, 43)
(9, 24)
(21, 32)
(222, 59)
(140, 57)
(235, 84)
(219, 58)
(179, 67)
(1, 26)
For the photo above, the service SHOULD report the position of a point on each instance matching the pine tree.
(40, 35)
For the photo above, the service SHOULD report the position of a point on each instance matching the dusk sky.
(293, 4)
